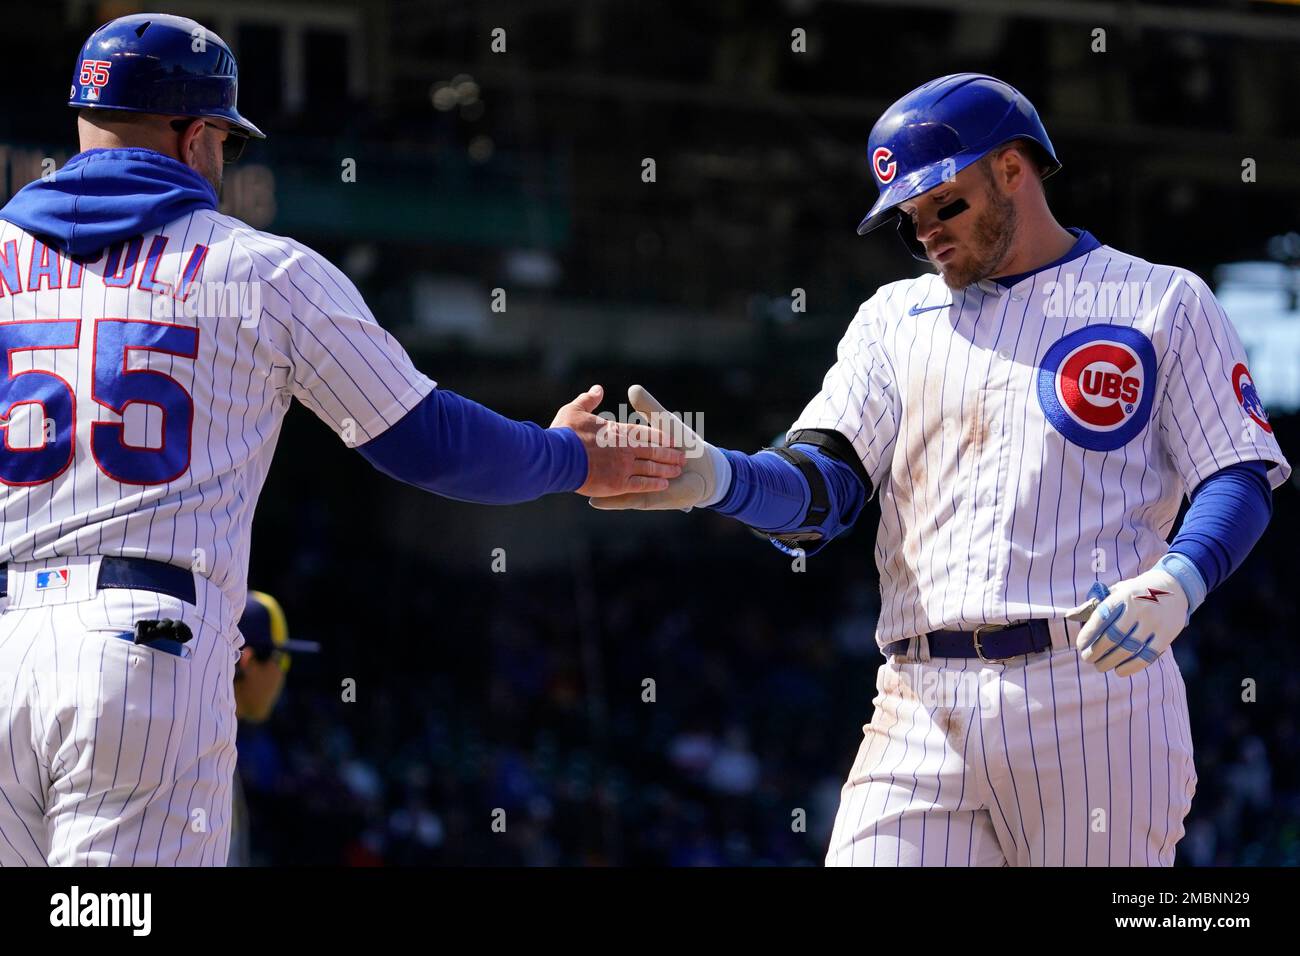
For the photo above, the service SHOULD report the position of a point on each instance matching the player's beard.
(211, 171)
(990, 242)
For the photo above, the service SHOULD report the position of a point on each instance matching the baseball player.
(265, 657)
(140, 411)
(1031, 415)
(264, 662)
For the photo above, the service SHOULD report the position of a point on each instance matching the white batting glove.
(706, 474)
(1134, 622)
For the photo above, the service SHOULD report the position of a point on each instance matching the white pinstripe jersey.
(141, 421)
(1028, 441)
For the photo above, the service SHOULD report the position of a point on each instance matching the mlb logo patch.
(52, 580)
(89, 93)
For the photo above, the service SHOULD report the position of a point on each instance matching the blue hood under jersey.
(102, 196)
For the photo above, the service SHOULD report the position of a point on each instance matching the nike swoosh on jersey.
(917, 310)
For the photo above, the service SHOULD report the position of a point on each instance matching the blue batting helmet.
(940, 128)
(158, 63)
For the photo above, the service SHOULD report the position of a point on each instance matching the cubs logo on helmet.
(1097, 384)
(882, 161)
(1249, 399)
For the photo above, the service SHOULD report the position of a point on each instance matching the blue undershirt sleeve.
(771, 494)
(1229, 512)
(460, 449)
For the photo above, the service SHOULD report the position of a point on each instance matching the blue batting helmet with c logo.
(940, 128)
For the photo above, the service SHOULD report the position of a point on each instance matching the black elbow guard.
(818, 498)
(833, 444)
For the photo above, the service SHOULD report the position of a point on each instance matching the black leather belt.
(991, 643)
(139, 574)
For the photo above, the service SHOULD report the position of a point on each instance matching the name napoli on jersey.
(118, 266)
(1096, 385)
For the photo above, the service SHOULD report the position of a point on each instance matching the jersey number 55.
(47, 451)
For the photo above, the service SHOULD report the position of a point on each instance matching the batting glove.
(706, 473)
(1133, 623)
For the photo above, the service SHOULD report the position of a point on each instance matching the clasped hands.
(658, 464)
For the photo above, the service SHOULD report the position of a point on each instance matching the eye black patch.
(953, 209)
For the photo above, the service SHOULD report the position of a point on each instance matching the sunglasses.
(232, 147)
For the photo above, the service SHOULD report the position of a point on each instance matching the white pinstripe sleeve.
(1210, 414)
(859, 396)
(345, 367)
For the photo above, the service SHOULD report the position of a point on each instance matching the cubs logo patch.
(1248, 398)
(1097, 384)
(883, 164)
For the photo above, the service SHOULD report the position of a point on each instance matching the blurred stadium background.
(521, 171)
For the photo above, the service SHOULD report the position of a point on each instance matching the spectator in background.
(259, 679)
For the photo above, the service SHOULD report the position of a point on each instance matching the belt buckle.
(979, 650)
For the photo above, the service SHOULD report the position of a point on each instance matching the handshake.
(660, 465)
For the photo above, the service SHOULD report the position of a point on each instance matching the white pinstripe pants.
(1039, 762)
(113, 753)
